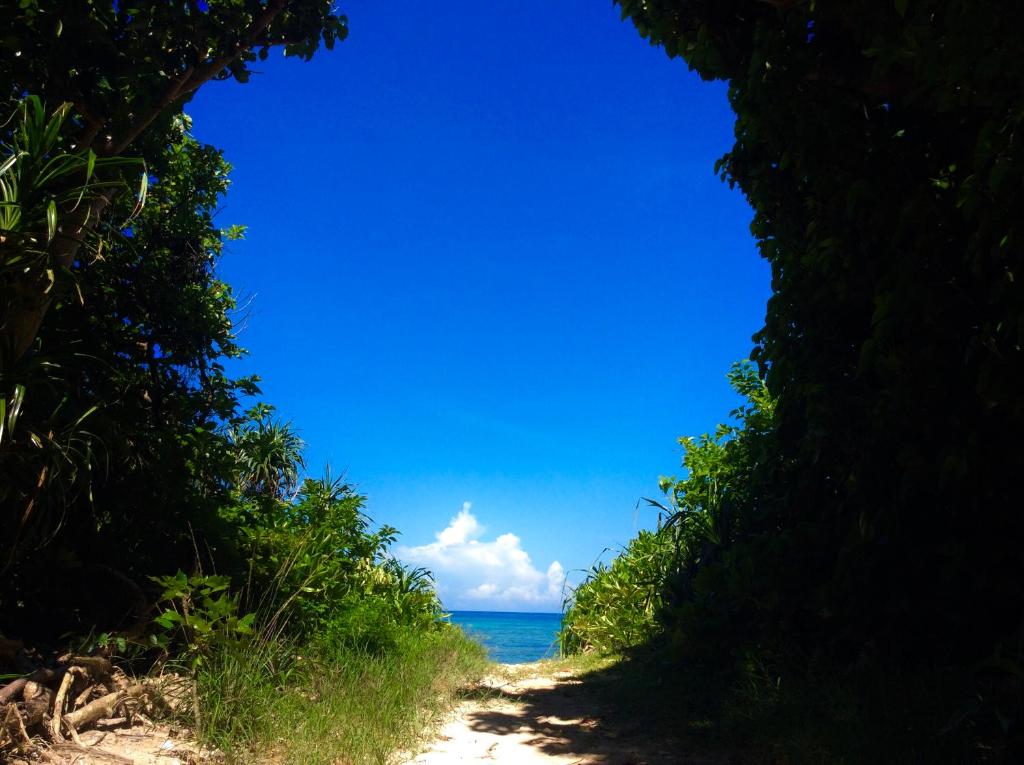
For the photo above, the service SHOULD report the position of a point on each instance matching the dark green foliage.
(868, 542)
(43, 444)
(144, 509)
(123, 65)
(129, 366)
(668, 579)
(879, 147)
(126, 450)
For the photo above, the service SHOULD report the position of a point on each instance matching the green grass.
(577, 664)
(333, 704)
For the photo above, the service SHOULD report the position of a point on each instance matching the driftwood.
(105, 706)
(12, 689)
(38, 700)
(58, 706)
(59, 702)
(50, 704)
(98, 665)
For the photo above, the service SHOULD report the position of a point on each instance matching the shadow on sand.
(626, 713)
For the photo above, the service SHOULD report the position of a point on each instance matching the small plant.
(106, 641)
(200, 614)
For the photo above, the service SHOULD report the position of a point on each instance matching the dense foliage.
(160, 467)
(119, 445)
(879, 148)
(148, 498)
(125, 70)
(623, 604)
(871, 530)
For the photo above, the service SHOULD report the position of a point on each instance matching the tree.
(270, 457)
(117, 406)
(120, 455)
(880, 148)
(127, 68)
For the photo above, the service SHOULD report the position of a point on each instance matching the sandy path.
(137, 745)
(530, 714)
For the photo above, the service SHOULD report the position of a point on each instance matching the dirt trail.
(535, 714)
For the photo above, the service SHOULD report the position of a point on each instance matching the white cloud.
(463, 527)
(475, 574)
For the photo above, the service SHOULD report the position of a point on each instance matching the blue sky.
(488, 262)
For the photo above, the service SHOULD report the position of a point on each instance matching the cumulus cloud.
(473, 573)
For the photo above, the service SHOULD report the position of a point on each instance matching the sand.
(532, 714)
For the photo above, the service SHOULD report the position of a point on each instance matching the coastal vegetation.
(839, 568)
(157, 516)
(835, 577)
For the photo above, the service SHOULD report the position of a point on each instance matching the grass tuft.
(332, 703)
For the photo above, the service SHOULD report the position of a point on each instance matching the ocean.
(512, 638)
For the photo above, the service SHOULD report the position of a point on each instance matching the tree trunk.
(28, 299)
(31, 294)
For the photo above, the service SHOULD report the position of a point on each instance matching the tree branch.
(194, 78)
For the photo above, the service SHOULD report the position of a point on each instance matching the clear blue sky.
(489, 262)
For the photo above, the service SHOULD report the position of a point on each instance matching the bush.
(681, 576)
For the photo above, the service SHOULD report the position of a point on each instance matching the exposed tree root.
(58, 703)
(50, 704)
(13, 731)
(12, 689)
(105, 706)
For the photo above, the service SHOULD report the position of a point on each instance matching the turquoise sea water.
(512, 638)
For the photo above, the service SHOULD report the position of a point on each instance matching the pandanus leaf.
(51, 220)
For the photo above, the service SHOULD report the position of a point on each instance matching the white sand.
(529, 716)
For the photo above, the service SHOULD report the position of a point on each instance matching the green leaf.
(10, 162)
(244, 626)
(199, 625)
(168, 619)
(12, 412)
(51, 221)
